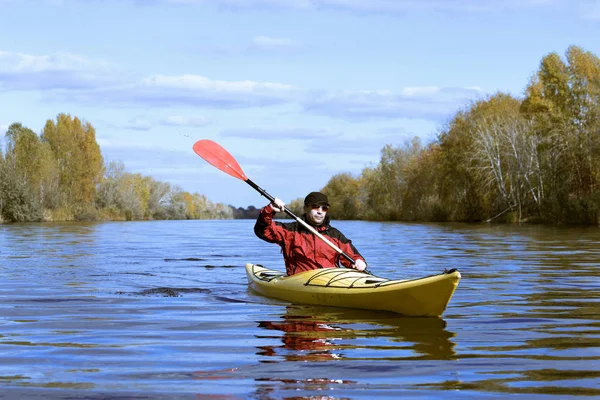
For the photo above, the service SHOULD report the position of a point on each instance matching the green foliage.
(502, 155)
(387, 184)
(123, 195)
(119, 193)
(79, 160)
(422, 200)
(458, 189)
(499, 159)
(61, 175)
(17, 202)
(33, 162)
(296, 206)
(343, 191)
(24, 174)
(563, 102)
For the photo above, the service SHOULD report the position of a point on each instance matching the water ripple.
(161, 310)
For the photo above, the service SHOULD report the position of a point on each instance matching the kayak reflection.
(313, 333)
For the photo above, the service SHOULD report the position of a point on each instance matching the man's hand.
(360, 265)
(277, 205)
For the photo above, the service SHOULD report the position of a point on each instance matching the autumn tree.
(460, 193)
(563, 102)
(387, 183)
(296, 206)
(157, 198)
(505, 158)
(123, 193)
(34, 162)
(422, 201)
(29, 174)
(490, 163)
(78, 157)
(343, 191)
(17, 202)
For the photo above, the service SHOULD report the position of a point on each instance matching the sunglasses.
(316, 207)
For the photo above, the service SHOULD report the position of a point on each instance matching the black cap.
(316, 198)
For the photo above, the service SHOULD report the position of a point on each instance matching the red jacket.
(302, 250)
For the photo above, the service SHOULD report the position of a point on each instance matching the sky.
(296, 90)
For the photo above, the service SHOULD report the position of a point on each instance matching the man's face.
(316, 213)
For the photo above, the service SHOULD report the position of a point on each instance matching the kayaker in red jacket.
(302, 250)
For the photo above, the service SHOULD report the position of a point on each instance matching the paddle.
(217, 156)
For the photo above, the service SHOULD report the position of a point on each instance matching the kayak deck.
(342, 287)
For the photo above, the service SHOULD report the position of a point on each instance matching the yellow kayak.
(343, 287)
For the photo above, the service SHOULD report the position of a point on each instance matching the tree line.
(60, 175)
(534, 159)
(505, 159)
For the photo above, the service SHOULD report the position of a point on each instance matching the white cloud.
(75, 79)
(378, 5)
(138, 124)
(585, 8)
(250, 3)
(352, 5)
(258, 46)
(430, 103)
(278, 133)
(420, 91)
(194, 90)
(347, 146)
(146, 124)
(267, 43)
(325, 141)
(20, 71)
(179, 120)
(143, 157)
(184, 90)
(202, 83)
(25, 63)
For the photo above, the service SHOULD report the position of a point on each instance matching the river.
(161, 309)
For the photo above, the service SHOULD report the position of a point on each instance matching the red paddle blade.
(217, 156)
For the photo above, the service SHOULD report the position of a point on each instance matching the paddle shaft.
(301, 221)
(217, 156)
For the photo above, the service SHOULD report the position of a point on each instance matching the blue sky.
(296, 90)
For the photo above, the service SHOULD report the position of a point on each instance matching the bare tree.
(505, 155)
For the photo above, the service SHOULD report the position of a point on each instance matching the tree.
(422, 200)
(123, 193)
(343, 192)
(157, 198)
(33, 162)
(459, 191)
(29, 180)
(17, 202)
(506, 160)
(386, 184)
(563, 102)
(490, 161)
(79, 160)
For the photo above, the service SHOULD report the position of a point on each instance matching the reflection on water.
(162, 310)
(306, 339)
(321, 333)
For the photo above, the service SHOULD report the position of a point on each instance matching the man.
(302, 250)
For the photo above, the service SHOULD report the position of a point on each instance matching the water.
(161, 309)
